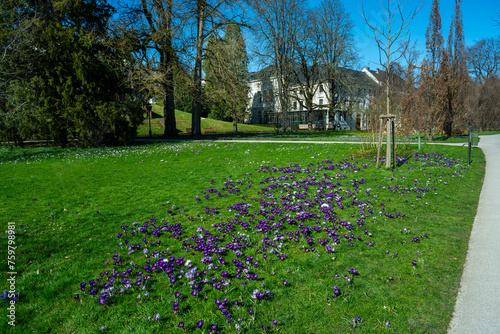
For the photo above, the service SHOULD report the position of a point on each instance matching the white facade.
(264, 103)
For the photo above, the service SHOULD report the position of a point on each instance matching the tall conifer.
(432, 114)
(455, 111)
(226, 75)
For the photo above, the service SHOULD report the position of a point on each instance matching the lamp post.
(148, 108)
(470, 142)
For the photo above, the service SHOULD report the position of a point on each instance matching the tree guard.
(390, 128)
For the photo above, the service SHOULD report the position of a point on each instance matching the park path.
(477, 309)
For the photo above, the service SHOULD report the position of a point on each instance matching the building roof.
(354, 77)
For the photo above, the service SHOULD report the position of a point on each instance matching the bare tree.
(307, 76)
(392, 39)
(150, 29)
(497, 20)
(484, 103)
(277, 25)
(339, 51)
(484, 95)
(484, 59)
(210, 17)
(410, 102)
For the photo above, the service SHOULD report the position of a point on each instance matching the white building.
(352, 101)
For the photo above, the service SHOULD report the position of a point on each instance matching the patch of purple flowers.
(320, 208)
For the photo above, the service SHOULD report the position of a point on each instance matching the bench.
(303, 127)
(206, 131)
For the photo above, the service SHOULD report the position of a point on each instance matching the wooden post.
(390, 124)
(380, 140)
(388, 148)
(393, 143)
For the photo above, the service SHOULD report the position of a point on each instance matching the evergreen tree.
(17, 62)
(211, 17)
(74, 90)
(214, 54)
(226, 75)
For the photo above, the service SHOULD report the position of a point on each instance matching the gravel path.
(477, 309)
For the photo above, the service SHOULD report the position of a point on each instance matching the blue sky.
(477, 15)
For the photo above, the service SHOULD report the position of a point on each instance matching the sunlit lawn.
(332, 244)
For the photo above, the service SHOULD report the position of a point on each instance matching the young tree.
(392, 39)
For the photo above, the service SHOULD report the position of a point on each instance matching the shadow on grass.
(11, 153)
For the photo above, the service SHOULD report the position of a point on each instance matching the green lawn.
(246, 131)
(183, 122)
(332, 244)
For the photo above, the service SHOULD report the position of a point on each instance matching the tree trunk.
(168, 99)
(197, 103)
(235, 123)
(380, 141)
(168, 66)
(309, 118)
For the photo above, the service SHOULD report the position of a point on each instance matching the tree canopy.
(226, 75)
(67, 86)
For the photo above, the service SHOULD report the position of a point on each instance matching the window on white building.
(320, 102)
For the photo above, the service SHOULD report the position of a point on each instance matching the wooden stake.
(388, 147)
(380, 141)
